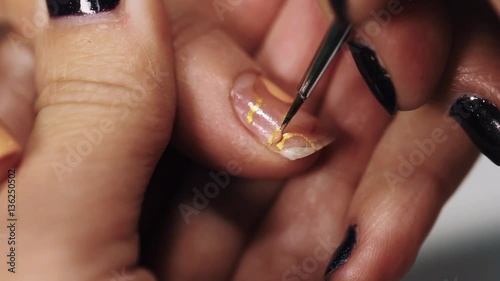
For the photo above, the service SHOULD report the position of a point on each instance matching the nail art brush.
(333, 41)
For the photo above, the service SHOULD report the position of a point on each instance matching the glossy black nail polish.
(375, 76)
(58, 8)
(343, 252)
(480, 119)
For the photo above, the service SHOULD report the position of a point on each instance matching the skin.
(84, 227)
(496, 5)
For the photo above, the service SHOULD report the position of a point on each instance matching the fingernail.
(480, 119)
(261, 106)
(343, 252)
(9, 148)
(59, 8)
(375, 75)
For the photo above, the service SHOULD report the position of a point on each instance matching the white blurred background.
(465, 242)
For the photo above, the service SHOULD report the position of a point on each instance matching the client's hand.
(104, 108)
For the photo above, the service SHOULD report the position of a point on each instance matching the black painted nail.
(58, 8)
(341, 255)
(480, 119)
(375, 75)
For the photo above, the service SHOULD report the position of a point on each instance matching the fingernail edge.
(74, 8)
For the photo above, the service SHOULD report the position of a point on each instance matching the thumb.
(105, 113)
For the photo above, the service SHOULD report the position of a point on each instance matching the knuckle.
(122, 99)
(77, 91)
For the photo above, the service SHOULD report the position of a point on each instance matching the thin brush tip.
(283, 126)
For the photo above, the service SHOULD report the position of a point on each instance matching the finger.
(496, 5)
(236, 18)
(229, 112)
(357, 11)
(418, 165)
(304, 226)
(105, 109)
(16, 94)
(291, 44)
(24, 19)
(412, 67)
(398, 201)
(402, 53)
(360, 124)
(413, 173)
(17, 89)
(298, 234)
(17, 11)
(211, 218)
(476, 91)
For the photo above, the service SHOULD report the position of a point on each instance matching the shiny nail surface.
(261, 106)
(375, 76)
(480, 119)
(58, 8)
(342, 254)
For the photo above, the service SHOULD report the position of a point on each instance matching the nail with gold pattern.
(261, 106)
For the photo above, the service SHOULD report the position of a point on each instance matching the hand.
(390, 177)
(90, 216)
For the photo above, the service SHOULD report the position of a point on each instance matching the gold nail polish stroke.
(261, 106)
(253, 109)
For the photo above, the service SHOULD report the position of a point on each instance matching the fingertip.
(403, 55)
(375, 252)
